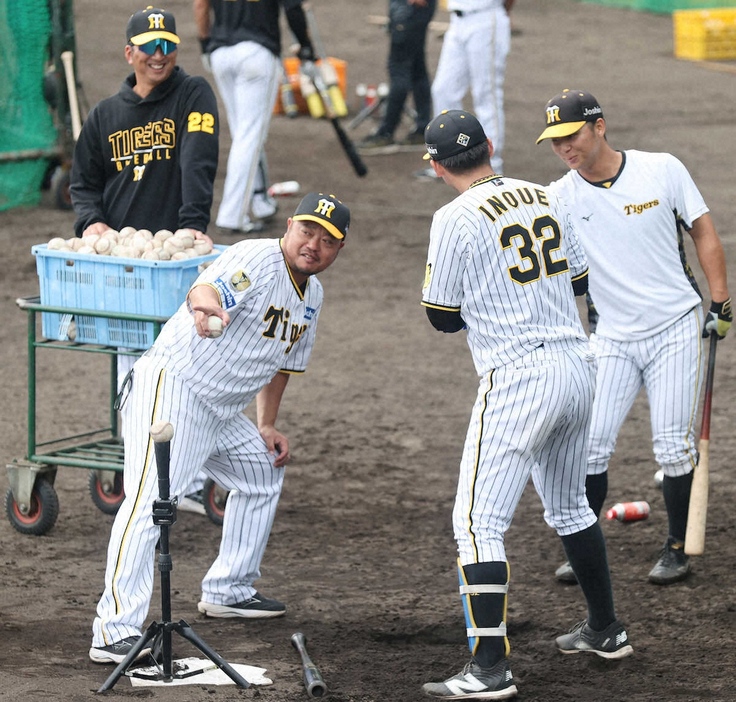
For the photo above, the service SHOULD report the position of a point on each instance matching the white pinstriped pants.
(232, 452)
(530, 417)
(670, 366)
(473, 57)
(247, 79)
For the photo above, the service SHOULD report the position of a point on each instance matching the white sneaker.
(263, 206)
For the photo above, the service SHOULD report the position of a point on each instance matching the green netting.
(665, 6)
(25, 119)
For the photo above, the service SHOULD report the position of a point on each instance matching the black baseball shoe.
(116, 652)
(476, 683)
(673, 564)
(377, 144)
(611, 643)
(256, 607)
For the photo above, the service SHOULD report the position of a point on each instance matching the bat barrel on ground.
(313, 681)
(698, 510)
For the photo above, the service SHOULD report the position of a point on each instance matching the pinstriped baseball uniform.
(473, 58)
(201, 386)
(649, 305)
(503, 253)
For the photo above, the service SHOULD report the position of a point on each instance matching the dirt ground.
(362, 550)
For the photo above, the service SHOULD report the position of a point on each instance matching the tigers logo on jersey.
(240, 281)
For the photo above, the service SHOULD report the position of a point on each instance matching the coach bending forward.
(269, 301)
(503, 262)
(631, 209)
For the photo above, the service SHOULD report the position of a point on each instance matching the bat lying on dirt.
(313, 681)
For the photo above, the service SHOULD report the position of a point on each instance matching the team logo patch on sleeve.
(240, 281)
(427, 276)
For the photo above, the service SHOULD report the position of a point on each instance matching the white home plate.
(209, 675)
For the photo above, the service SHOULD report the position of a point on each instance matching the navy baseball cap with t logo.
(149, 24)
(567, 112)
(326, 210)
(450, 133)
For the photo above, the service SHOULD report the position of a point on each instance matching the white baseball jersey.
(503, 254)
(272, 328)
(649, 329)
(640, 281)
(201, 386)
(517, 230)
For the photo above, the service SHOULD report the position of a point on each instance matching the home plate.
(185, 672)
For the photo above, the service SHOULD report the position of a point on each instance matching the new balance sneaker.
(673, 564)
(612, 642)
(256, 607)
(476, 683)
(116, 652)
(193, 502)
(377, 144)
(565, 574)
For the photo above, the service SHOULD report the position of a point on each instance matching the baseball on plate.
(161, 431)
(214, 323)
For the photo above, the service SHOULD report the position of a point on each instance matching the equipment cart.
(31, 502)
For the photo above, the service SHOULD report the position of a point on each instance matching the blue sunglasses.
(149, 48)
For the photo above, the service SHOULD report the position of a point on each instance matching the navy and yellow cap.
(149, 24)
(567, 112)
(326, 210)
(450, 133)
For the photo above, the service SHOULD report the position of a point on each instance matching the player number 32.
(544, 239)
(201, 122)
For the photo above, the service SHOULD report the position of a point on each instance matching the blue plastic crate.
(110, 284)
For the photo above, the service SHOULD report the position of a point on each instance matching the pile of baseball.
(130, 242)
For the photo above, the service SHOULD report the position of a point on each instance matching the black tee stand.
(164, 516)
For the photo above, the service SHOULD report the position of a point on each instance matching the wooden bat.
(347, 145)
(313, 681)
(67, 58)
(698, 510)
(329, 75)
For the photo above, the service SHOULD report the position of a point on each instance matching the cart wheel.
(214, 498)
(107, 502)
(43, 513)
(60, 182)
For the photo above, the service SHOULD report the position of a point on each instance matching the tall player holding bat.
(631, 209)
(269, 301)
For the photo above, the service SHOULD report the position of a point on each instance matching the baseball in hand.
(161, 431)
(215, 325)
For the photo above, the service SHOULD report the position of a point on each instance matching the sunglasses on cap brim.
(149, 48)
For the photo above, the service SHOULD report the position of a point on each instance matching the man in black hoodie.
(147, 156)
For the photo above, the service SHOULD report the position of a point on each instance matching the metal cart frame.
(31, 502)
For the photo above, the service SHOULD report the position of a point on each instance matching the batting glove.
(718, 319)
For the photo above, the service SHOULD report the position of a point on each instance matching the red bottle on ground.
(629, 511)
